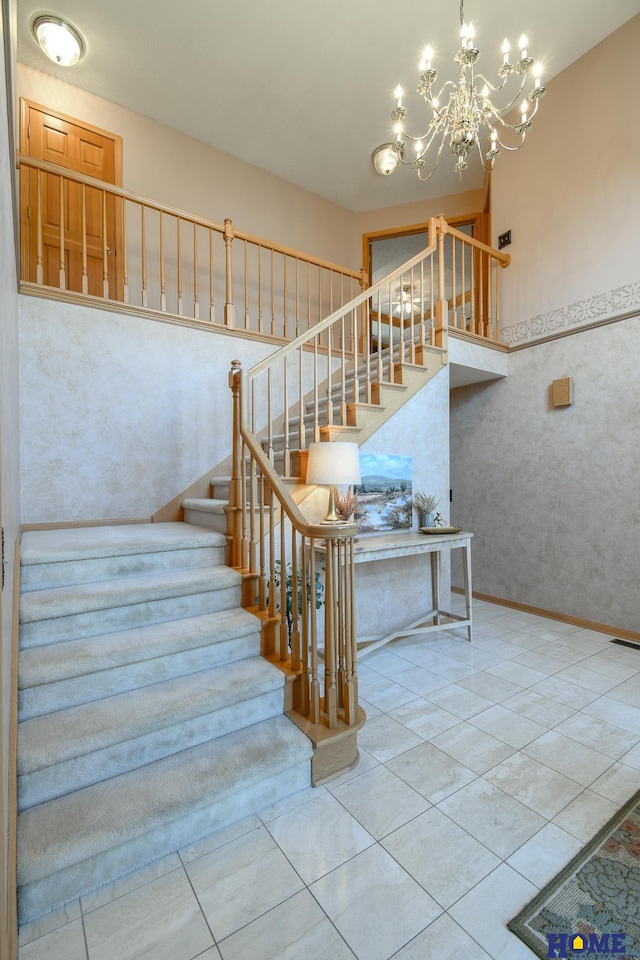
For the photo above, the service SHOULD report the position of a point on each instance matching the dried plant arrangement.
(426, 502)
(347, 504)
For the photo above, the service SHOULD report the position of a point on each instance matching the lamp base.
(332, 515)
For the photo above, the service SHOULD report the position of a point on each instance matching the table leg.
(435, 585)
(466, 566)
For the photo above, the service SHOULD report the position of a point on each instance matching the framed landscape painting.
(384, 494)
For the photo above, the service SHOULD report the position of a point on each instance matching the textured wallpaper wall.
(552, 494)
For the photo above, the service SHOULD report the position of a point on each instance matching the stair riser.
(42, 576)
(63, 778)
(50, 697)
(93, 624)
(40, 896)
(212, 521)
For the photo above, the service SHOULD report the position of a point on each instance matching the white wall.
(551, 494)
(165, 165)
(119, 413)
(571, 197)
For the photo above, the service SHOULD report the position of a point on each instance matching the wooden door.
(86, 259)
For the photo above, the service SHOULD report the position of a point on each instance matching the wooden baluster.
(423, 333)
(329, 390)
(340, 627)
(125, 255)
(143, 243)
(472, 289)
(401, 345)
(273, 296)
(179, 264)
(308, 295)
(229, 308)
(302, 440)
(262, 579)
(379, 364)
(105, 248)
(269, 417)
(305, 665)
(432, 305)
(272, 553)
(316, 409)
(285, 298)
(246, 519)
(482, 297)
(463, 311)
(247, 320)
(285, 388)
(343, 374)
(85, 275)
(260, 289)
(297, 297)
(351, 681)
(454, 306)
(196, 297)
(234, 530)
(283, 645)
(163, 297)
(330, 692)
(212, 305)
(310, 613)
(412, 342)
(441, 305)
(39, 260)
(353, 326)
(296, 584)
(366, 346)
(63, 274)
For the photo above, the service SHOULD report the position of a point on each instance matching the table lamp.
(333, 464)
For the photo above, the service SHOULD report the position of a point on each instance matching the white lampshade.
(385, 159)
(333, 463)
(59, 41)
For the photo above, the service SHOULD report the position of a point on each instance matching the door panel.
(80, 210)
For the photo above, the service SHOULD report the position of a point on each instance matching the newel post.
(234, 515)
(442, 305)
(229, 308)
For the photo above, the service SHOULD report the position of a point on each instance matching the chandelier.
(469, 117)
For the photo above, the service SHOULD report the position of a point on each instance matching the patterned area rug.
(592, 908)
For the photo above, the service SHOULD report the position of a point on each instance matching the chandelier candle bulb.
(469, 116)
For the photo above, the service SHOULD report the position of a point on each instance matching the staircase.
(147, 717)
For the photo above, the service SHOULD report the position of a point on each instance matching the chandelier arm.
(500, 111)
(429, 98)
(428, 176)
(481, 76)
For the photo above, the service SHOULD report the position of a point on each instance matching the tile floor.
(484, 768)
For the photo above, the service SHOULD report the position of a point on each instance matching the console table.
(389, 545)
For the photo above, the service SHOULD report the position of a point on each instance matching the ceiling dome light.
(59, 41)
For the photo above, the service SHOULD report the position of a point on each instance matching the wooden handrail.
(504, 259)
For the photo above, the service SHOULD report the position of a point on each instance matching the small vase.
(428, 520)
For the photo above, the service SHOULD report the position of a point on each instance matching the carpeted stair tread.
(75, 658)
(207, 505)
(80, 730)
(78, 826)
(106, 595)
(77, 543)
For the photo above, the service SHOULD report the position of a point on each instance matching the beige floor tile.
(533, 705)
(415, 848)
(424, 718)
(612, 711)
(374, 904)
(585, 815)
(497, 820)
(566, 756)
(50, 922)
(319, 837)
(296, 928)
(534, 784)
(445, 940)
(459, 701)
(545, 854)
(161, 920)
(132, 881)
(510, 727)
(618, 783)
(384, 738)
(565, 692)
(485, 911)
(431, 772)
(242, 880)
(380, 801)
(219, 838)
(474, 748)
(63, 943)
(493, 688)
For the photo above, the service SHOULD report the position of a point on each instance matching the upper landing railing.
(85, 240)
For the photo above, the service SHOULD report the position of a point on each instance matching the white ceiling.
(303, 88)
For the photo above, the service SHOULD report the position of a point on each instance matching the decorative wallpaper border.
(600, 307)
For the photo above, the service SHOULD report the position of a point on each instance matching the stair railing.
(82, 237)
(308, 621)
